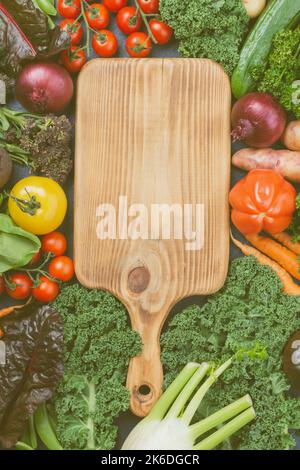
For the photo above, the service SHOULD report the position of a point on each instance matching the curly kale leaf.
(249, 309)
(279, 76)
(209, 29)
(294, 228)
(98, 346)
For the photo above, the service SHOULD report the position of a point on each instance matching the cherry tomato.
(129, 20)
(114, 5)
(73, 59)
(55, 243)
(138, 45)
(46, 291)
(97, 16)
(69, 8)
(149, 6)
(74, 30)
(161, 31)
(35, 259)
(62, 268)
(105, 43)
(2, 285)
(22, 286)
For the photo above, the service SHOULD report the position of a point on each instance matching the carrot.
(287, 241)
(8, 310)
(289, 286)
(282, 255)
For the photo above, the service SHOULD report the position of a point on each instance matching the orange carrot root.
(289, 286)
(287, 241)
(8, 310)
(282, 255)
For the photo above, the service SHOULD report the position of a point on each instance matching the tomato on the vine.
(19, 286)
(129, 20)
(97, 16)
(62, 268)
(35, 259)
(46, 291)
(69, 8)
(161, 31)
(105, 43)
(114, 5)
(138, 45)
(74, 30)
(73, 59)
(2, 285)
(55, 243)
(149, 6)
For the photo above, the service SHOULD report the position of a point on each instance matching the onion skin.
(258, 119)
(44, 88)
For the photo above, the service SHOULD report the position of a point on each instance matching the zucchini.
(277, 16)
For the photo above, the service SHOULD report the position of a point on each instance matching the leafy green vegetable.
(16, 245)
(250, 309)
(294, 228)
(33, 366)
(40, 142)
(98, 346)
(282, 70)
(210, 29)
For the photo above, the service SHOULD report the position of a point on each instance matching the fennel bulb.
(168, 426)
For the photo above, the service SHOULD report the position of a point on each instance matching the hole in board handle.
(144, 391)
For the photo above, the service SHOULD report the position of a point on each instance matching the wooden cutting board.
(152, 138)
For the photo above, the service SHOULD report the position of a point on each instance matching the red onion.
(44, 88)
(258, 119)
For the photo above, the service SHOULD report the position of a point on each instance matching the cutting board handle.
(145, 372)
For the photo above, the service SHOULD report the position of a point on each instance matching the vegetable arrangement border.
(240, 377)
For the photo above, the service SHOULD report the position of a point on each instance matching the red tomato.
(105, 43)
(69, 8)
(129, 20)
(2, 285)
(138, 45)
(97, 16)
(161, 31)
(55, 243)
(22, 286)
(114, 5)
(73, 59)
(74, 30)
(46, 291)
(149, 6)
(62, 268)
(35, 259)
(262, 201)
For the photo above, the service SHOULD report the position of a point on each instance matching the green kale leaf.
(98, 346)
(208, 28)
(251, 309)
(280, 74)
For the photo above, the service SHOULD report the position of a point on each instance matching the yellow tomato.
(37, 204)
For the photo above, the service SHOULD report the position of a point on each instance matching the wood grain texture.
(156, 131)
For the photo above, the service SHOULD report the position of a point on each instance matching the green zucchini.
(277, 16)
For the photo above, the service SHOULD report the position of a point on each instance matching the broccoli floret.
(209, 29)
(250, 309)
(98, 346)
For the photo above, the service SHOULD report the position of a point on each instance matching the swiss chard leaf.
(25, 33)
(33, 367)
